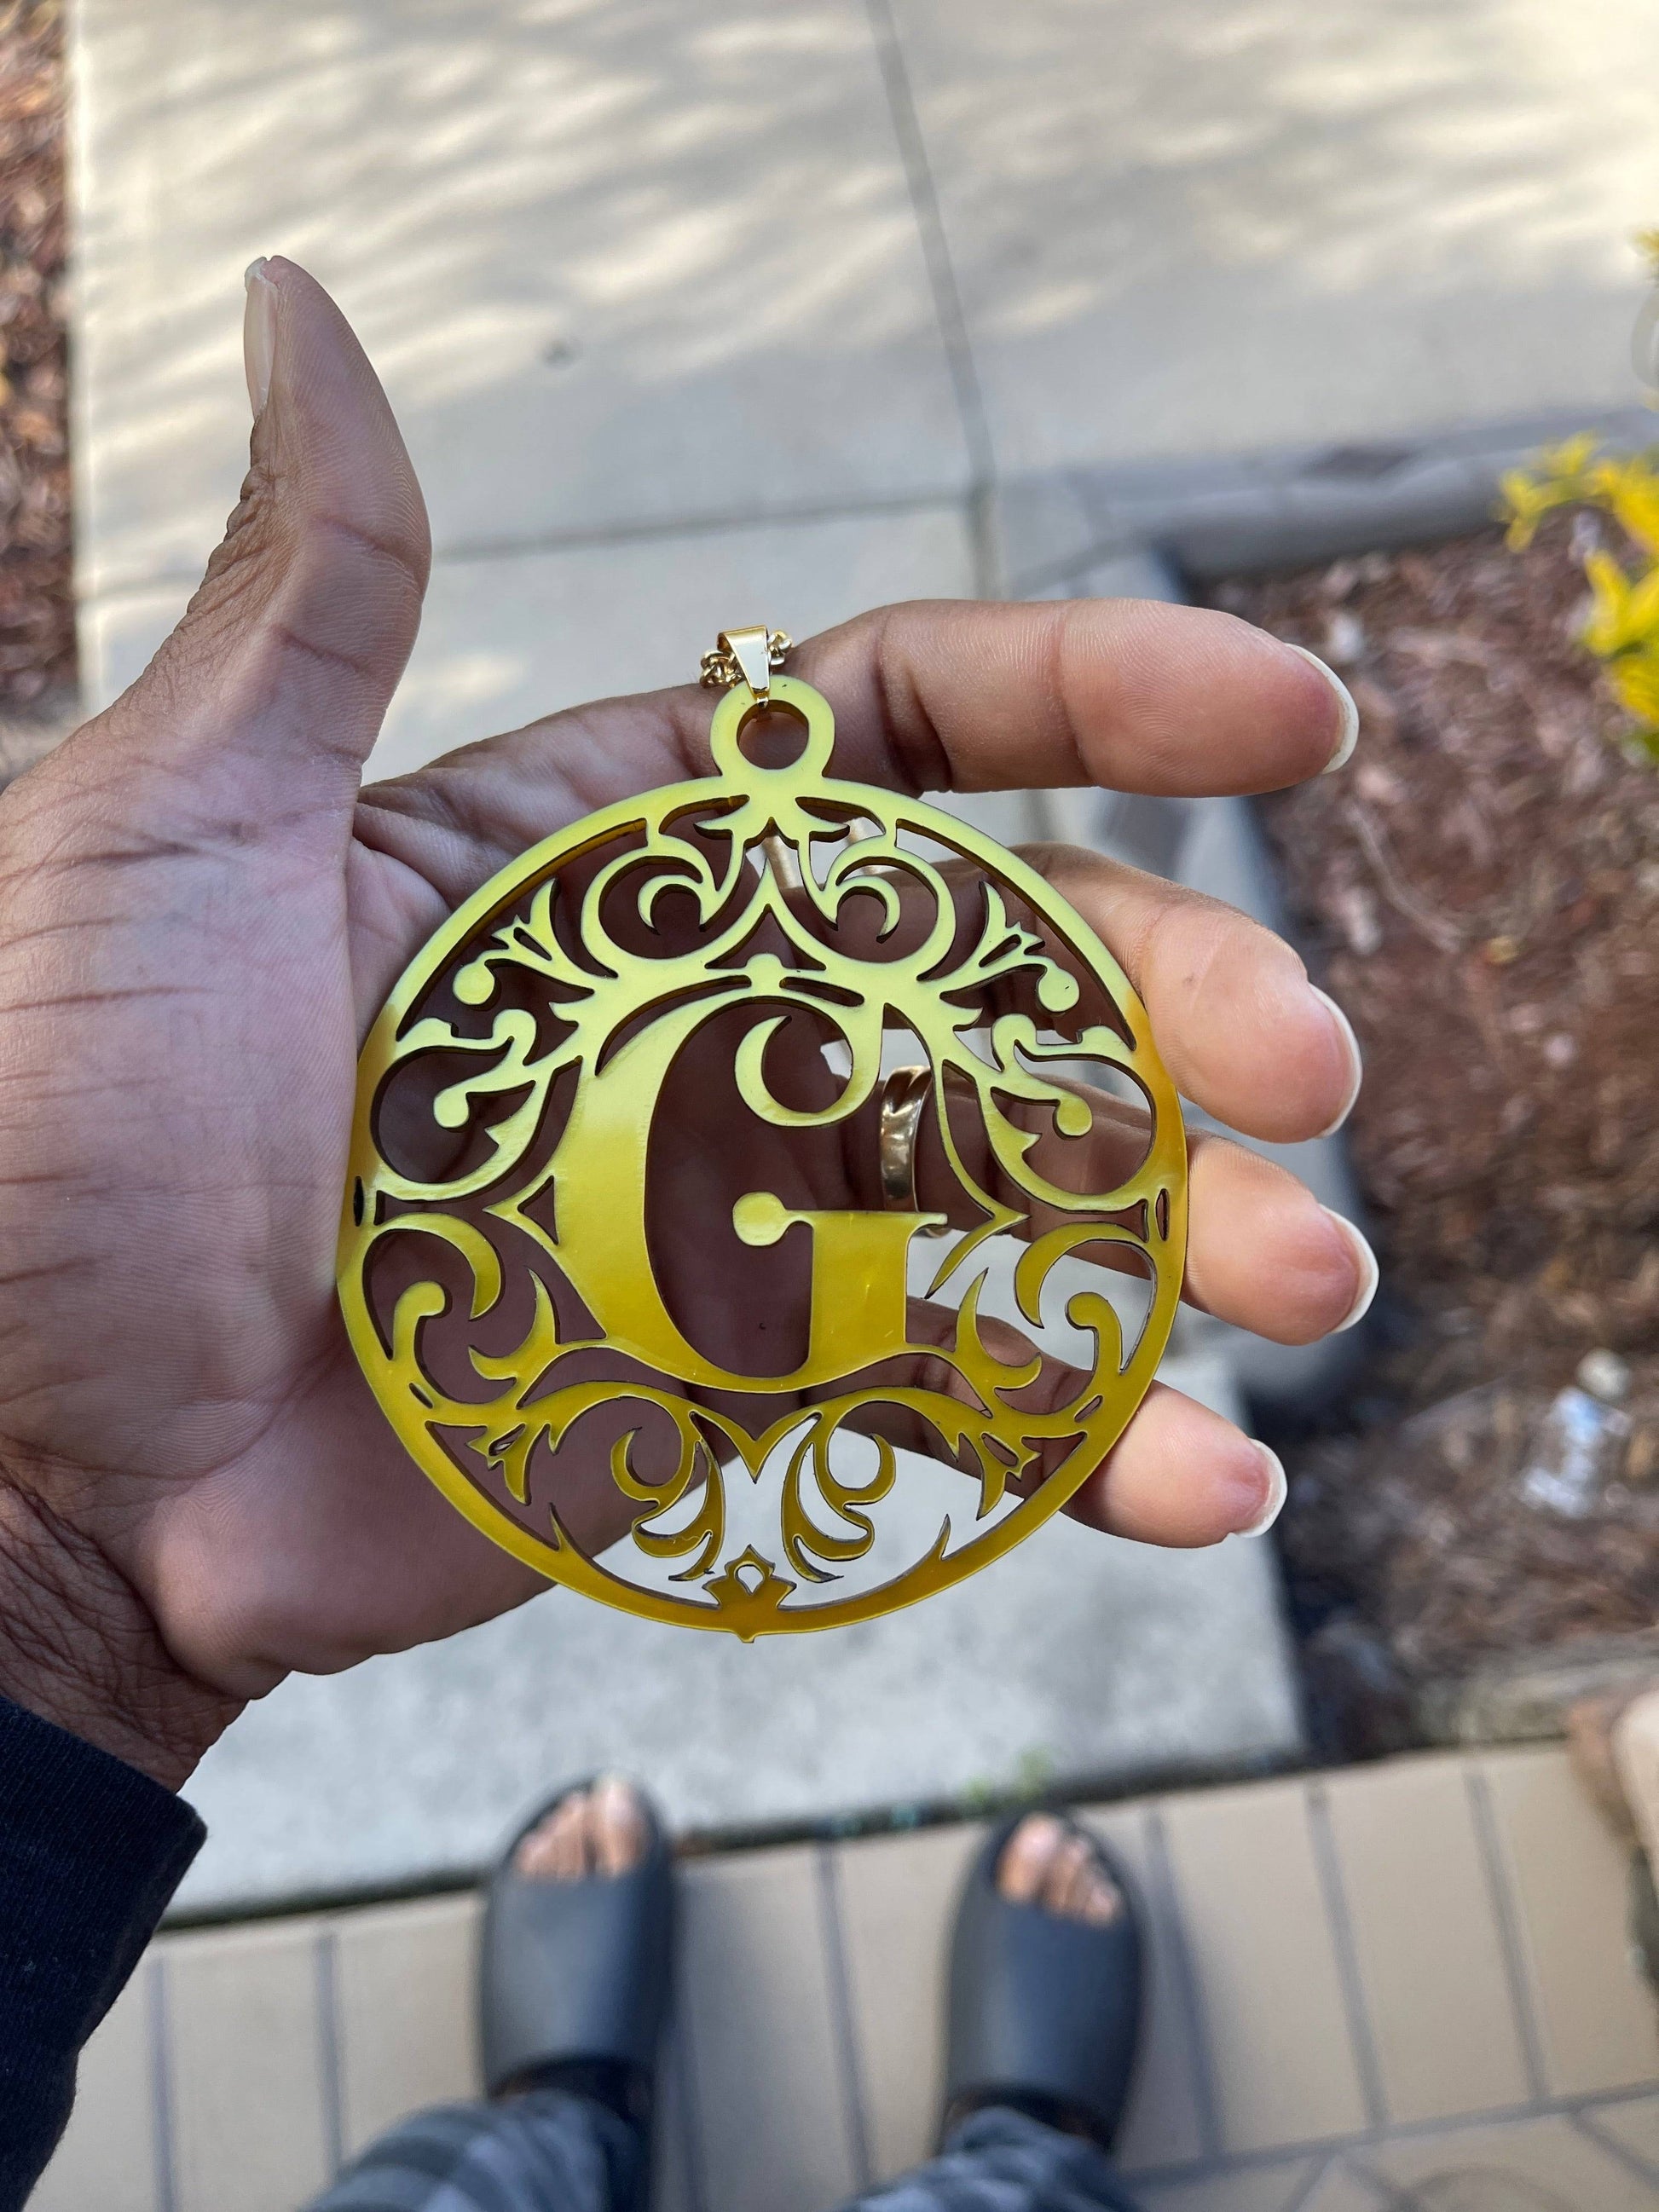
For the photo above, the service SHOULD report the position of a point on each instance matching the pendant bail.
(747, 655)
(751, 649)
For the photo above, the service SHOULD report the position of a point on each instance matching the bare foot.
(597, 1830)
(1047, 1861)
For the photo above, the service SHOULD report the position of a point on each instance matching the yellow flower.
(1623, 629)
(1634, 498)
(1571, 458)
(1527, 500)
(1624, 615)
(1636, 680)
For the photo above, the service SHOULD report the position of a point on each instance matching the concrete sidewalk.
(641, 278)
(1407, 1984)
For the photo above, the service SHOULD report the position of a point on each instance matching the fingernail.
(1272, 1502)
(1356, 1064)
(1350, 735)
(1370, 1273)
(258, 334)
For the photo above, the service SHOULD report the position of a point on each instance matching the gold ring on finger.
(903, 1095)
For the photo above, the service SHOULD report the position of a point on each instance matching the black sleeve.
(90, 1851)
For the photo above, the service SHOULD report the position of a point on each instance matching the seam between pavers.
(1149, 528)
(1328, 1866)
(1507, 1916)
(942, 282)
(330, 2087)
(1184, 1975)
(827, 1871)
(1316, 2173)
(160, 2083)
(1388, 2193)
(1583, 2122)
(1405, 2200)
(1338, 2163)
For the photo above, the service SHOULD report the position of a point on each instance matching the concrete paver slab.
(1531, 2163)
(1343, 2188)
(1598, 2028)
(896, 1896)
(615, 265)
(1276, 2187)
(250, 2091)
(504, 640)
(775, 2120)
(1633, 2122)
(404, 1980)
(1427, 1936)
(1272, 2002)
(1203, 229)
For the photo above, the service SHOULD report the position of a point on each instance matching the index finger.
(1133, 695)
(933, 695)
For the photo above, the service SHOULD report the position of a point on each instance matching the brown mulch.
(1480, 890)
(37, 621)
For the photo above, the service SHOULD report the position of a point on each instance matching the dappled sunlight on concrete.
(625, 266)
(615, 262)
(1209, 228)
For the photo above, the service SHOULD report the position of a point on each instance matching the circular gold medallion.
(766, 1204)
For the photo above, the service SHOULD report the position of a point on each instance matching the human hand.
(203, 913)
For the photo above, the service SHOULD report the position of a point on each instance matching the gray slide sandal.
(1043, 2011)
(575, 1974)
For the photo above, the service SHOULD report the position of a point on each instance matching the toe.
(572, 1858)
(1023, 1868)
(555, 1850)
(1069, 1880)
(617, 1826)
(1102, 1901)
(1068, 1876)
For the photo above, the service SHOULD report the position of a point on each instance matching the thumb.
(271, 691)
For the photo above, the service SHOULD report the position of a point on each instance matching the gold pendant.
(632, 1250)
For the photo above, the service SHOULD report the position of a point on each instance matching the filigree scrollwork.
(502, 1247)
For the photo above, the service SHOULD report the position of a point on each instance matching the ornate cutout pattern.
(517, 1272)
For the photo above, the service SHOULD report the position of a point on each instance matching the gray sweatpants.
(550, 2152)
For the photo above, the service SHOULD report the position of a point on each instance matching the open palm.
(203, 912)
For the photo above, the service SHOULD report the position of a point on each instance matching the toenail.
(1036, 1832)
(1026, 1856)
